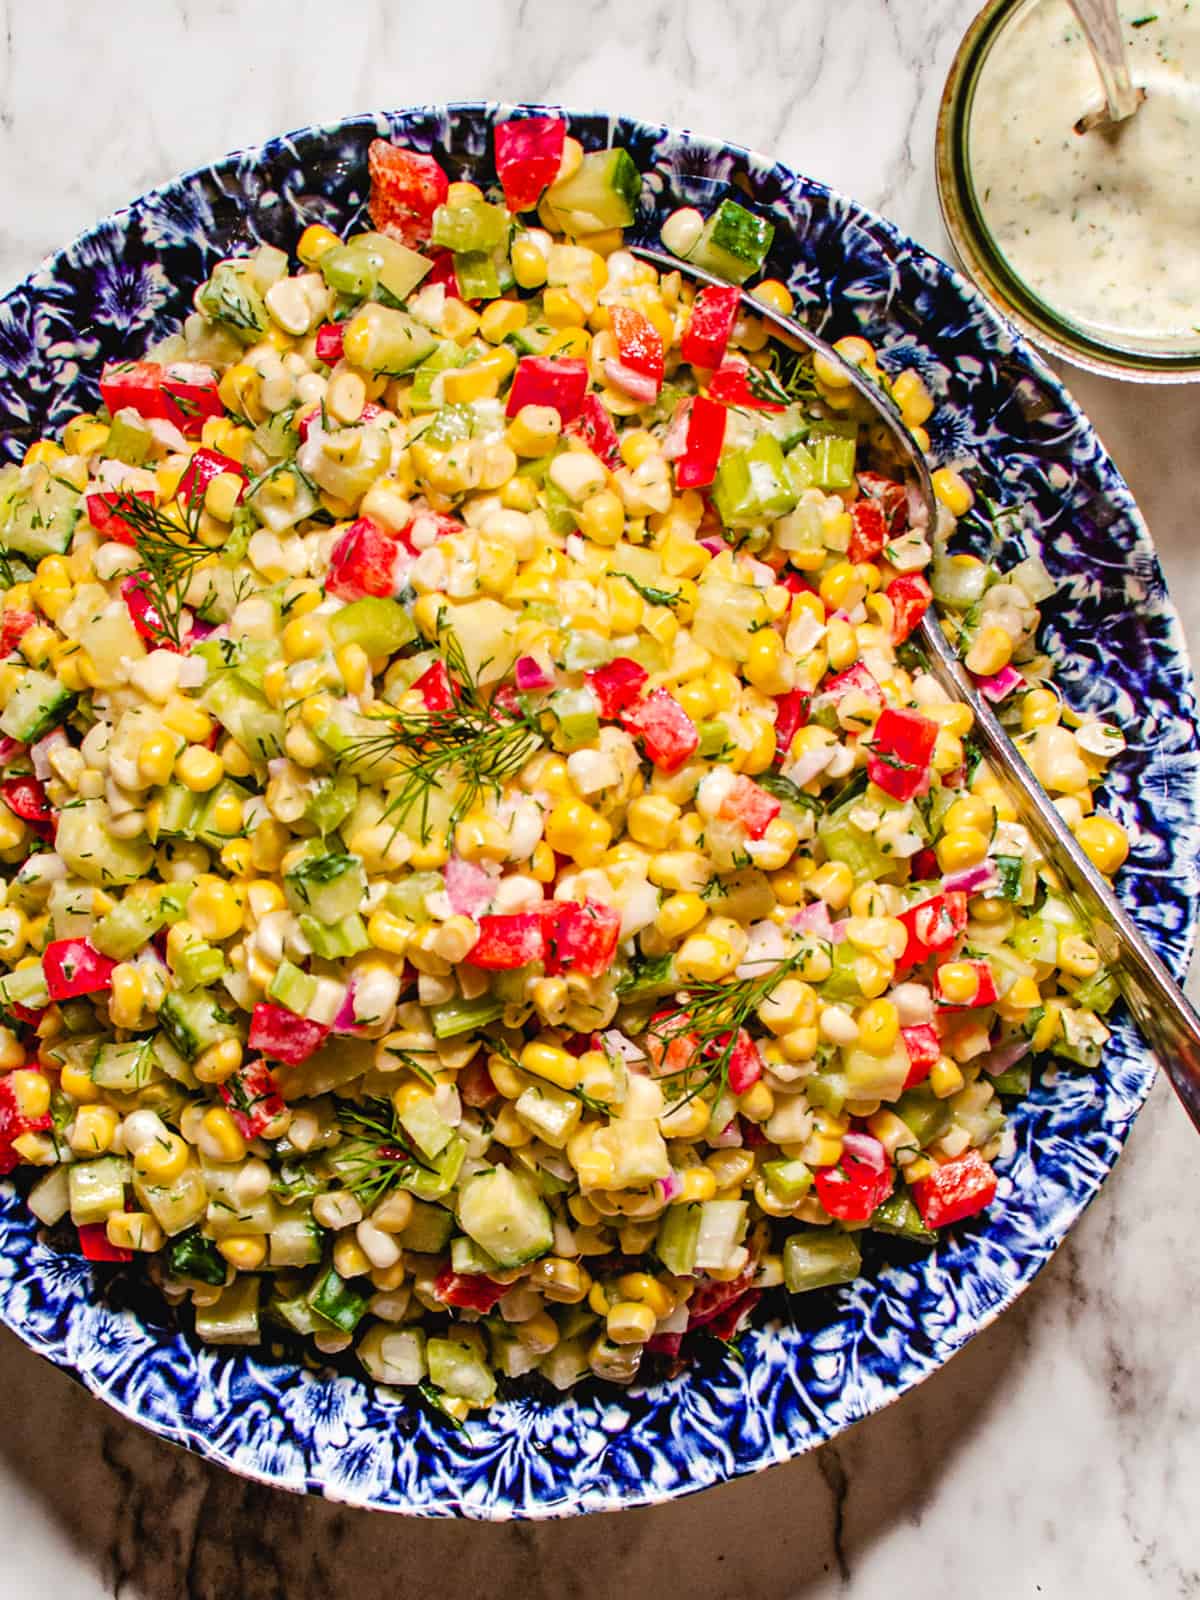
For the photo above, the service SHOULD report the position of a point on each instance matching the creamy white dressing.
(1103, 226)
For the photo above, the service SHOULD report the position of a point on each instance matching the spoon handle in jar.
(1102, 27)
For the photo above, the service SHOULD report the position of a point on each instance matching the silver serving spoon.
(1102, 28)
(1167, 1021)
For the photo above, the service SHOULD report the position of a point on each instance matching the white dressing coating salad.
(489, 883)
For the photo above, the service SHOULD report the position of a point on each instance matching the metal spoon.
(1168, 1023)
(1102, 28)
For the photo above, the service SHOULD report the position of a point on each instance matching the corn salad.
(488, 883)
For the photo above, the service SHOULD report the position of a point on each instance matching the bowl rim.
(782, 1448)
(980, 258)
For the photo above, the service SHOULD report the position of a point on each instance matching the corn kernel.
(128, 993)
(878, 1027)
(199, 769)
(218, 1062)
(550, 1062)
(964, 847)
(1104, 842)
(79, 1085)
(958, 982)
(630, 1323)
(991, 649)
(315, 241)
(945, 1077)
(93, 1130)
(134, 1230)
(953, 491)
(247, 1252)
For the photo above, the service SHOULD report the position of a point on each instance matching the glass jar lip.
(983, 261)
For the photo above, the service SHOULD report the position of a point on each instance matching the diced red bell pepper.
(616, 685)
(924, 1047)
(144, 613)
(745, 1063)
(694, 441)
(856, 677)
(595, 427)
(14, 1123)
(714, 312)
(664, 1344)
(900, 751)
(732, 386)
(668, 734)
(672, 1050)
(581, 938)
(13, 627)
(955, 1190)
(204, 466)
(443, 272)
(329, 342)
(790, 716)
(750, 804)
(911, 598)
(184, 393)
(868, 531)
(73, 967)
(986, 993)
(508, 940)
(406, 189)
(285, 1035)
(96, 1246)
(932, 925)
(253, 1098)
(892, 498)
(471, 1291)
(26, 798)
(362, 562)
(545, 381)
(107, 521)
(528, 156)
(853, 1190)
(436, 688)
(637, 368)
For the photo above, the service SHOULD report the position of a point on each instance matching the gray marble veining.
(1057, 1455)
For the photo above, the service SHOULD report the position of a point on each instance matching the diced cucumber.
(788, 1181)
(231, 298)
(427, 1130)
(338, 1301)
(349, 938)
(379, 626)
(398, 270)
(473, 226)
(247, 715)
(1017, 1080)
(552, 1114)
(195, 1020)
(394, 1356)
(129, 439)
(332, 802)
(428, 1231)
(327, 887)
(197, 965)
(602, 193)
(678, 1236)
(227, 1216)
(175, 1206)
(299, 1316)
(734, 242)
(40, 518)
(206, 828)
(457, 1368)
(566, 1364)
(233, 1317)
(123, 931)
(722, 1228)
(25, 987)
(507, 1353)
(432, 1185)
(292, 988)
(50, 1197)
(193, 1256)
(467, 1256)
(97, 1188)
(37, 704)
(817, 1259)
(85, 843)
(828, 1090)
(925, 1114)
(124, 1067)
(503, 1212)
(872, 1077)
(295, 1242)
(898, 1215)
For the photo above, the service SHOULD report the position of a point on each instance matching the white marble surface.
(1058, 1455)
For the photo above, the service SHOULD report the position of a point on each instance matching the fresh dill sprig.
(169, 552)
(789, 382)
(651, 595)
(709, 1016)
(471, 746)
(381, 1155)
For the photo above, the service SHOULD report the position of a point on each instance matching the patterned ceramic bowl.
(811, 1368)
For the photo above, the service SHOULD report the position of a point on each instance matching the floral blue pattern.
(816, 1366)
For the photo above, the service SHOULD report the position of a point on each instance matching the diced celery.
(408, 896)
(475, 226)
(898, 1215)
(123, 931)
(678, 1237)
(477, 276)
(129, 439)
(348, 938)
(722, 1228)
(198, 965)
(925, 1114)
(434, 1184)
(550, 1113)
(1017, 1080)
(455, 1017)
(753, 485)
(833, 460)
(815, 1260)
(293, 988)
(843, 841)
(577, 721)
(788, 1181)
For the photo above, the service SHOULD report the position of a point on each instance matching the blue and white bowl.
(811, 1368)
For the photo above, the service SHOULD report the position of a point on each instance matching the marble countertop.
(1053, 1457)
